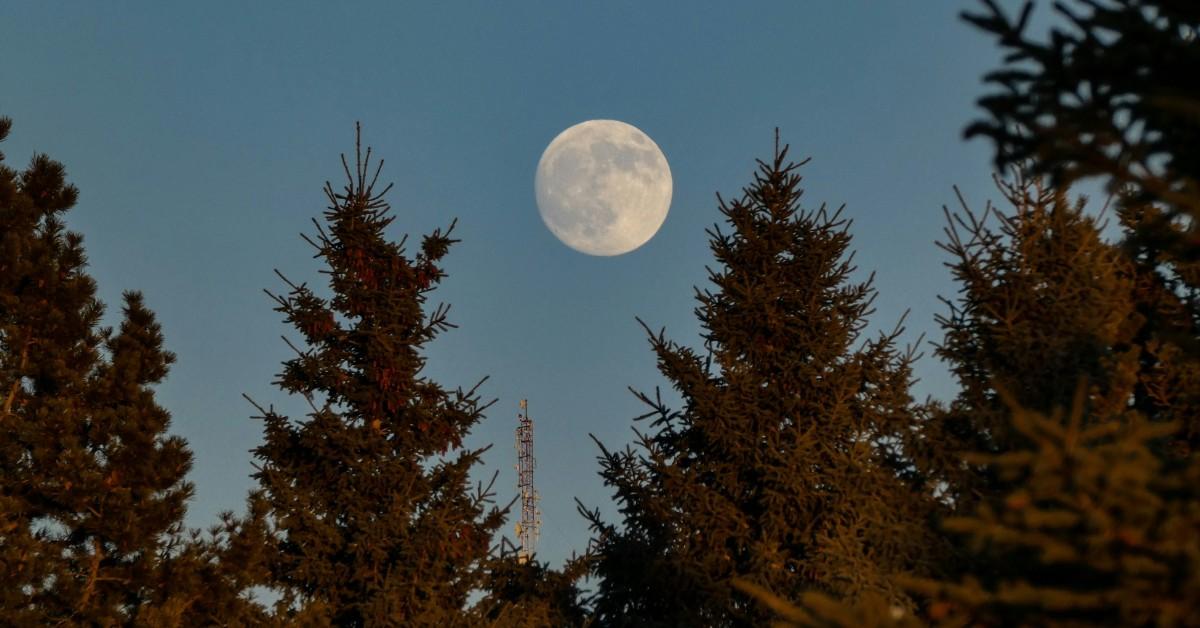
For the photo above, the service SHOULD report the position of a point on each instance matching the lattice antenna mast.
(530, 526)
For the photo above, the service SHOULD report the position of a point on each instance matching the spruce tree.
(1068, 388)
(208, 579)
(1043, 302)
(1094, 529)
(1109, 91)
(375, 521)
(1167, 304)
(92, 488)
(1074, 506)
(819, 610)
(527, 593)
(782, 467)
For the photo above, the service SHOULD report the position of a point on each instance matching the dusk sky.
(200, 136)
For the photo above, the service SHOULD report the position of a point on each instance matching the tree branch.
(16, 384)
(93, 572)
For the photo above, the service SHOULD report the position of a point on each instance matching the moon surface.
(603, 187)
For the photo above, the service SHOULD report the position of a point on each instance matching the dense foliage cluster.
(1077, 420)
(91, 486)
(92, 489)
(374, 521)
(785, 465)
(797, 482)
(1109, 92)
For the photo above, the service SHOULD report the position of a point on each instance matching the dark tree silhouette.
(1167, 306)
(1044, 301)
(1110, 91)
(92, 490)
(209, 578)
(784, 466)
(1094, 528)
(528, 594)
(1068, 512)
(1052, 454)
(370, 499)
(1047, 320)
(1095, 531)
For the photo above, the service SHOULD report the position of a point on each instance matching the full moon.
(603, 187)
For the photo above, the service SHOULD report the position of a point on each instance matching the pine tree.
(1043, 302)
(1090, 516)
(1167, 303)
(1046, 304)
(1110, 92)
(374, 524)
(35, 252)
(1065, 518)
(1095, 529)
(819, 610)
(782, 467)
(92, 488)
(524, 593)
(208, 579)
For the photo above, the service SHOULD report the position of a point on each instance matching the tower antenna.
(530, 526)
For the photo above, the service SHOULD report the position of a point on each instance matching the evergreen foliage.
(783, 467)
(798, 466)
(529, 594)
(1110, 91)
(1167, 304)
(92, 490)
(209, 578)
(1066, 518)
(1043, 301)
(373, 523)
(1089, 516)
(818, 610)
(1095, 530)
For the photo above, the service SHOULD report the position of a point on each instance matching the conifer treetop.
(374, 516)
(784, 464)
(92, 486)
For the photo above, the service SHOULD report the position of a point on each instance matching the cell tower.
(530, 525)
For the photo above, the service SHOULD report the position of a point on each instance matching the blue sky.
(200, 135)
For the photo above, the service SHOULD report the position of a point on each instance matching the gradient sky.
(200, 135)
